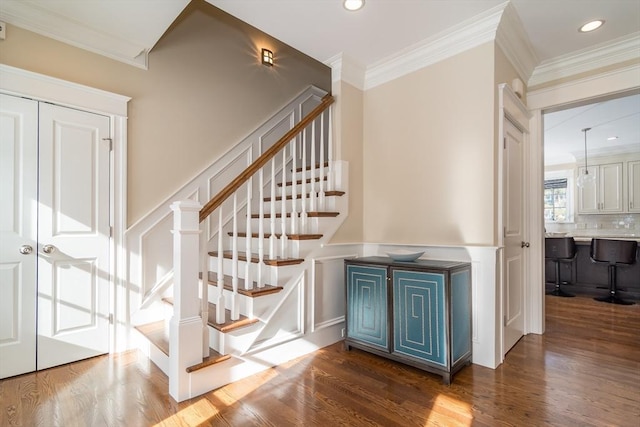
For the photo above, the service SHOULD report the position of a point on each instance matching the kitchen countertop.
(586, 237)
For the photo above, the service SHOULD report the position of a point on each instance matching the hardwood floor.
(585, 371)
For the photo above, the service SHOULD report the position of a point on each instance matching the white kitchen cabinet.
(604, 194)
(634, 185)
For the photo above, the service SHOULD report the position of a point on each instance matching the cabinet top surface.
(419, 263)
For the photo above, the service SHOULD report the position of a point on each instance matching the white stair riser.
(328, 206)
(234, 342)
(296, 248)
(272, 273)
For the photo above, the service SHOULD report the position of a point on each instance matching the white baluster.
(248, 281)
(312, 193)
(303, 200)
(284, 242)
(294, 191)
(321, 194)
(260, 279)
(204, 299)
(220, 315)
(272, 213)
(235, 312)
(330, 177)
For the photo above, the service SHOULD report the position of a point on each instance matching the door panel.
(73, 236)
(514, 268)
(18, 195)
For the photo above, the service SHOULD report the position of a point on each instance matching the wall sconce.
(267, 57)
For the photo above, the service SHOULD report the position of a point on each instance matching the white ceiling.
(564, 141)
(127, 30)
(323, 28)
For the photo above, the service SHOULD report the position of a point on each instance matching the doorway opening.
(600, 136)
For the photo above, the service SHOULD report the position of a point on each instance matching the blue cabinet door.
(419, 317)
(367, 305)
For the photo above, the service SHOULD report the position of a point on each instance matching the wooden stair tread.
(299, 196)
(317, 166)
(228, 325)
(312, 214)
(278, 262)
(289, 236)
(255, 291)
(298, 182)
(155, 333)
(213, 358)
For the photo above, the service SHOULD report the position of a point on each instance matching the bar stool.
(613, 252)
(560, 249)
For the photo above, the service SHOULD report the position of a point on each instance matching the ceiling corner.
(514, 42)
(129, 40)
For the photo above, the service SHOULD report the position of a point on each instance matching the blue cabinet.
(417, 312)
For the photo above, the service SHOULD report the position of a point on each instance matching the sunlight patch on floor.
(449, 411)
(193, 415)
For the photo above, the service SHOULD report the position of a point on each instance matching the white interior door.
(73, 236)
(18, 246)
(514, 236)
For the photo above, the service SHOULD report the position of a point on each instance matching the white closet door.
(73, 236)
(18, 208)
(514, 235)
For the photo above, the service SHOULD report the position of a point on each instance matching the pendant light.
(586, 179)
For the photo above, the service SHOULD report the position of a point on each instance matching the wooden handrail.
(244, 176)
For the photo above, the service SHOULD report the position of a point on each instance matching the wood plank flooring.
(584, 371)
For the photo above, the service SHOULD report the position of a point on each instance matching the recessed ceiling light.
(353, 5)
(590, 26)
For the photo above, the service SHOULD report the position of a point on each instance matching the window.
(555, 200)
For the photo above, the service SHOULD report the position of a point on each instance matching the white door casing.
(73, 235)
(18, 192)
(513, 207)
(514, 237)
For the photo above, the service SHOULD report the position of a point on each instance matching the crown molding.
(607, 151)
(603, 55)
(42, 21)
(610, 82)
(467, 35)
(344, 68)
(514, 42)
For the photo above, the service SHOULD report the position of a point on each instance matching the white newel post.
(185, 338)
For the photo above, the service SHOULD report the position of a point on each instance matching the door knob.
(26, 249)
(48, 249)
(524, 244)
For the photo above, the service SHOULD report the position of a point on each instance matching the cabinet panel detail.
(367, 305)
(419, 315)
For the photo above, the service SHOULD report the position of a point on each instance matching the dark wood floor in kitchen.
(585, 371)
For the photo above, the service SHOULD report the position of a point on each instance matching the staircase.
(240, 300)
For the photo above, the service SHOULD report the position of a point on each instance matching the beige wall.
(429, 154)
(348, 130)
(205, 90)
